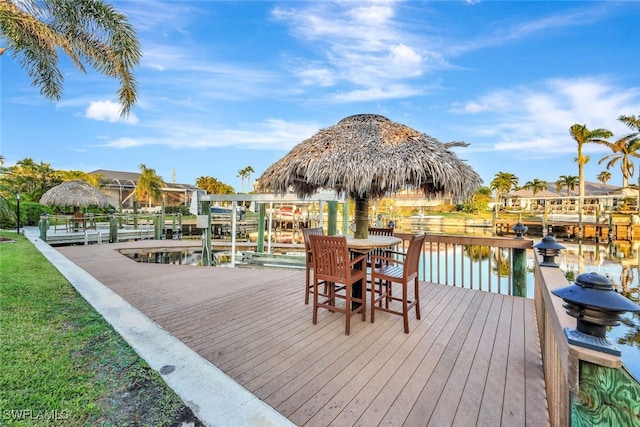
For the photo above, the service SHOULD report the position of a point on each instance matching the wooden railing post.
(262, 214)
(519, 272)
(113, 229)
(44, 226)
(206, 241)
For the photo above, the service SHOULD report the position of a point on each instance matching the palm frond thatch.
(76, 194)
(369, 156)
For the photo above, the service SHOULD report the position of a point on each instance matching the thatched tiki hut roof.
(74, 193)
(369, 156)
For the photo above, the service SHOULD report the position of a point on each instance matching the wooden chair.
(373, 231)
(394, 270)
(309, 258)
(333, 265)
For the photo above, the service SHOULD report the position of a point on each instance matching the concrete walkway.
(215, 398)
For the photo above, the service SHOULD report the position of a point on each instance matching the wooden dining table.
(371, 242)
(362, 246)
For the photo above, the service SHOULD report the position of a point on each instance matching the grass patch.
(62, 363)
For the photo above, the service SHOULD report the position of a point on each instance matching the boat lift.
(201, 206)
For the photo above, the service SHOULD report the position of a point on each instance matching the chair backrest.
(376, 231)
(412, 259)
(331, 259)
(306, 232)
(373, 231)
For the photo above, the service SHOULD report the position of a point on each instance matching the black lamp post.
(18, 202)
(549, 250)
(520, 229)
(593, 301)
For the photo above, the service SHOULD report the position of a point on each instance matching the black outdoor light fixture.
(593, 301)
(520, 229)
(549, 249)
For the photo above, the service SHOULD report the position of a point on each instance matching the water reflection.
(620, 263)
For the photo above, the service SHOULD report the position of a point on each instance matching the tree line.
(623, 150)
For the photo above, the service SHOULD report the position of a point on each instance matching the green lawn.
(61, 362)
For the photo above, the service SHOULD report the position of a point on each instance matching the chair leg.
(373, 299)
(315, 302)
(363, 304)
(417, 298)
(347, 309)
(306, 289)
(405, 310)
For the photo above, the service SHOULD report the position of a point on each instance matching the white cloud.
(108, 111)
(376, 93)
(123, 143)
(359, 44)
(537, 118)
(269, 134)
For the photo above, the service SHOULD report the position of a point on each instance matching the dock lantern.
(596, 305)
(520, 230)
(549, 249)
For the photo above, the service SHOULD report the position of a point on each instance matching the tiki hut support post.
(362, 218)
(332, 215)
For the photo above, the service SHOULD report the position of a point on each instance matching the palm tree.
(604, 177)
(625, 147)
(249, 170)
(632, 122)
(567, 181)
(245, 173)
(536, 185)
(149, 185)
(88, 31)
(502, 183)
(582, 136)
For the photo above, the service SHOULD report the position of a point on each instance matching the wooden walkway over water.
(473, 358)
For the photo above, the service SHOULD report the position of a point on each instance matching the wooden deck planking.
(385, 383)
(493, 396)
(443, 414)
(473, 359)
(514, 388)
(417, 370)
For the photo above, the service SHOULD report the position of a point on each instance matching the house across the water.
(119, 187)
(597, 196)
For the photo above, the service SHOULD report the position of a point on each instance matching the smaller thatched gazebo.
(368, 156)
(76, 194)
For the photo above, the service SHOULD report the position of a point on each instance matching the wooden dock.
(473, 358)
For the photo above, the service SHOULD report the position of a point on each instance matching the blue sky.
(225, 85)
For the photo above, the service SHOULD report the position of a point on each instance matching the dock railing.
(584, 386)
(493, 264)
(110, 227)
